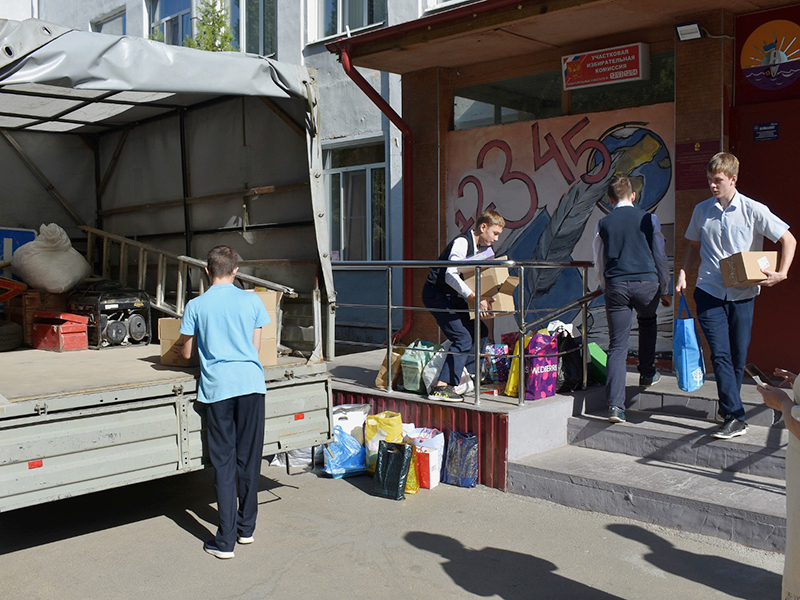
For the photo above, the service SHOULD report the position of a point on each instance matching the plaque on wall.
(691, 159)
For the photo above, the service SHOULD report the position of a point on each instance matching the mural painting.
(548, 180)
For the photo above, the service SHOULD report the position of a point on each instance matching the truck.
(148, 155)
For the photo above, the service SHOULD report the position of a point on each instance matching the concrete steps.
(748, 509)
(663, 466)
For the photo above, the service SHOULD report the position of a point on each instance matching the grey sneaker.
(616, 415)
(648, 381)
(445, 393)
(729, 429)
(245, 539)
(212, 549)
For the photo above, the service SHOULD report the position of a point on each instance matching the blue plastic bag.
(461, 465)
(687, 352)
(344, 456)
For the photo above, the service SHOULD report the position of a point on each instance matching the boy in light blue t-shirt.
(225, 323)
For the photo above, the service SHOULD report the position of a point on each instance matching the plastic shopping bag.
(391, 470)
(344, 456)
(432, 370)
(385, 426)
(428, 467)
(543, 370)
(461, 465)
(413, 362)
(513, 371)
(382, 379)
(426, 437)
(412, 481)
(497, 362)
(687, 352)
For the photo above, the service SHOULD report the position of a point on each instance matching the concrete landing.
(744, 508)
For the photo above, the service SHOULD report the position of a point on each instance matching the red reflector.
(299, 416)
(34, 464)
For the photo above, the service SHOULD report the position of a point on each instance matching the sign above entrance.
(602, 67)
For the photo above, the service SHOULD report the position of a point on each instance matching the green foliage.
(213, 28)
(156, 35)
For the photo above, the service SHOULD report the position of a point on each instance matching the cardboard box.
(497, 284)
(268, 354)
(744, 268)
(168, 333)
(271, 300)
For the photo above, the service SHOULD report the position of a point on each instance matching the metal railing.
(165, 260)
(521, 311)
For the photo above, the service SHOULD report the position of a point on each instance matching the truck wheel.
(10, 336)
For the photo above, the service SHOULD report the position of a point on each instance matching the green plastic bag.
(413, 363)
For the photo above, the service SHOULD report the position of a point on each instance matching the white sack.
(50, 262)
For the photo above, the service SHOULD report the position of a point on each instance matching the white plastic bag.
(432, 370)
(50, 262)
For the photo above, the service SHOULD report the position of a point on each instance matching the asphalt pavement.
(320, 539)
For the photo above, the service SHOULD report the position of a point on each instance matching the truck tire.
(10, 336)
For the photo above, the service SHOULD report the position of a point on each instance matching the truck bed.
(29, 374)
(77, 422)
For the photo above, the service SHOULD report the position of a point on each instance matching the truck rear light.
(299, 416)
(35, 464)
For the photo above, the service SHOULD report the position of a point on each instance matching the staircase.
(662, 466)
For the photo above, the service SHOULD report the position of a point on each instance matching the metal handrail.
(521, 312)
(184, 264)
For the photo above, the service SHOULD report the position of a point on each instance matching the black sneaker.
(729, 429)
(616, 415)
(445, 393)
(648, 381)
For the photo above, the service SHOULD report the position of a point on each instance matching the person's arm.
(662, 262)
(257, 338)
(778, 399)
(788, 246)
(187, 346)
(458, 252)
(598, 251)
(689, 257)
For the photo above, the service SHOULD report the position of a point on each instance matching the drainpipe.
(408, 153)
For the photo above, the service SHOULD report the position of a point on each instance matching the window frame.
(243, 25)
(314, 18)
(160, 23)
(97, 25)
(367, 168)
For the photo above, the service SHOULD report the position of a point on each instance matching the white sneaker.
(245, 540)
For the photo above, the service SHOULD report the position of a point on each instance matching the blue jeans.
(622, 298)
(458, 328)
(235, 433)
(726, 325)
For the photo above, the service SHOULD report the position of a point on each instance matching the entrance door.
(770, 172)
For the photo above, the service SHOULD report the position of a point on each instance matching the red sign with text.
(602, 67)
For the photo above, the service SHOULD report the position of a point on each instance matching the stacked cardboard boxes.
(169, 333)
(496, 284)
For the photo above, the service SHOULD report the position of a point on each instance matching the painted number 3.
(539, 160)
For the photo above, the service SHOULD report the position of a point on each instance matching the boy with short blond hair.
(446, 292)
(727, 223)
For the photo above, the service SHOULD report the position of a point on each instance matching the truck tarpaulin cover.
(35, 51)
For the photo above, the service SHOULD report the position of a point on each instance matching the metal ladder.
(121, 246)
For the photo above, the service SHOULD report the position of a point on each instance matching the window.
(257, 25)
(526, 98)
(114, 25)
(433, 4)
(172, 20)
(356, 185)
(336, 16)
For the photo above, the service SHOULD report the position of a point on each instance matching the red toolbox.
(59, 331)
